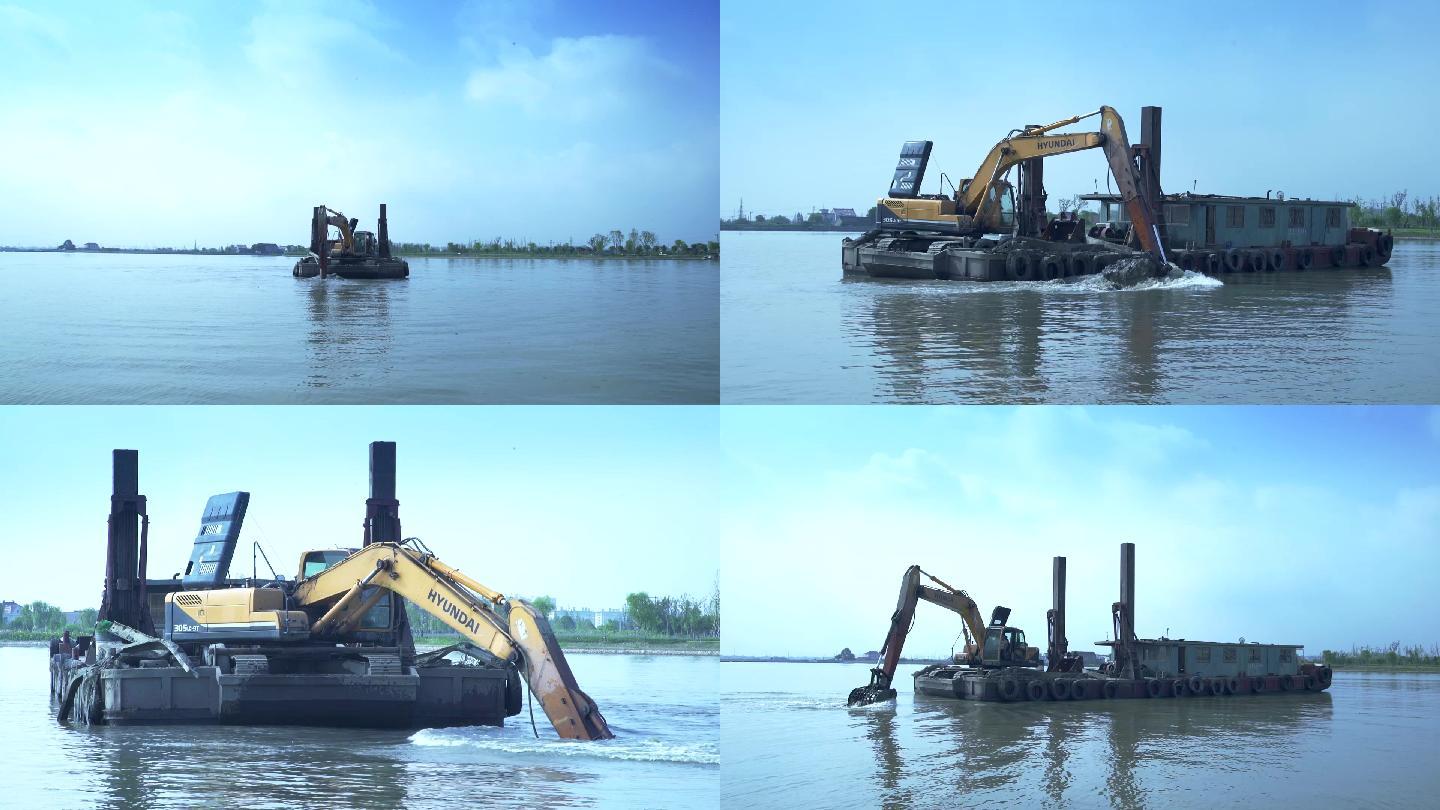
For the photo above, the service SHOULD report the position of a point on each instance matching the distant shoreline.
(700, 257)
(780, 659)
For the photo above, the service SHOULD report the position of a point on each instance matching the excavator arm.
(510, 629)
(1035, 142)
(911, 592)
(347, 231)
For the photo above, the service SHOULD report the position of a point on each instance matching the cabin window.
(1229, 655)
(1254, 655)
(1202, 655)
(1235, 216)
(1267, 216)
(1286, 656)
(1178, 214)
(1332, 217)
(1297, 217)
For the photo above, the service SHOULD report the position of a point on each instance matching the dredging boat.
(332, 646)
(979, 233)
(355, 255)
(997, 666)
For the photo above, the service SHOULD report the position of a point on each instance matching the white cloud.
(580, 78)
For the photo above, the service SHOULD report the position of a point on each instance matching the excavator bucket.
(572, 712)
(870, 694)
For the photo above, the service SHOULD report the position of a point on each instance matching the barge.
(996, 667)
(980, 232)
(355, 255)
(332, 646)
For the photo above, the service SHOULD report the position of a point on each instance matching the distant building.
(595, 618)
(267, 249)
(8, 611)
(91, 246)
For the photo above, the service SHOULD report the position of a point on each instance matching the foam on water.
(511, 740)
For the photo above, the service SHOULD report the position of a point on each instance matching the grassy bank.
(1385, 659)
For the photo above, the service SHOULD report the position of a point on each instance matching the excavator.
(985, 203)
(342, 596)
(987, 646)
(976, 233)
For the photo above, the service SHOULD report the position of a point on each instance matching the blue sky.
(168, 122)
(1317, 98)
(585, 504)
(1314, 526)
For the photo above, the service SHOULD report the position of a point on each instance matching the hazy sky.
(1311, 97)
(1288, 525)
(135, 124)
(585, 504)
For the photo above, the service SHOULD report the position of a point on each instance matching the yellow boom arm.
(975, 194)
(511, 629)
(911, 592)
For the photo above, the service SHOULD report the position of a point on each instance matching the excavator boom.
(974, 204)
(911, 591)
(510, 629)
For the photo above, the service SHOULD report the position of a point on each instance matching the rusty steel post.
(1030, 213)
(382, 510)
(319, 244)
(1150, 160)
(124, 597)
(1059, 645)
(383, 233)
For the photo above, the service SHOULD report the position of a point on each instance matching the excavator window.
(316, 561)
(1007, 204)
(991, 651)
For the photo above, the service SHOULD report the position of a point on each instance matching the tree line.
(678, 616)
(1399, 210)
(614, 243)
(42, 617)
(1389, 656)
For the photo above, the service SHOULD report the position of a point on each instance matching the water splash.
(628, 747)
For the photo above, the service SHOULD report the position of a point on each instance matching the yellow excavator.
(985, 203)
(991, 646)
(342, 594)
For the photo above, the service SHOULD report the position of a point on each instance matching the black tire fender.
(1009, 688)
(1035, 690)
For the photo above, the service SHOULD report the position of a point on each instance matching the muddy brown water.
(788, 740)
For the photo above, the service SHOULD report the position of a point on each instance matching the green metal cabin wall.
(1250, 234)
(1165, 659)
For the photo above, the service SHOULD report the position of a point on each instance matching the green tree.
(617, 239)
(597, 243)
(566, 622)
(679, 246)
(544, 604)
(647, 240)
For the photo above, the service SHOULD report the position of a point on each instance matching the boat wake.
(510, 740)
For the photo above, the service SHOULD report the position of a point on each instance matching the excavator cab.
(377, 618)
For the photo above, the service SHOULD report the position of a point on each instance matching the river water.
(795, 332)
(145, 329)
(789, 741)
(666, 752)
